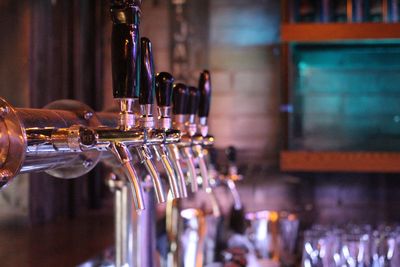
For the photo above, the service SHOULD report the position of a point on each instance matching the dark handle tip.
(125, 53)
(180, 95)
(164, 85)
(230, 153)
(147, 79)
(213, 152)
(205, 94)
(193, 101)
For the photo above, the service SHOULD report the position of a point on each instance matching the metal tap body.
(66, 139)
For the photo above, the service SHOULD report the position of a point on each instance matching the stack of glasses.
(352, 245)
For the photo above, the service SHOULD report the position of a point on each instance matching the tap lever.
(125, 59)
(193, 103)
(164, 84)
(147, 84)
(205, 100)
(213, 156)
(205, 94)
(191, 110)
(125, 49)
(180, 96)
(147, 79)
(230, 153)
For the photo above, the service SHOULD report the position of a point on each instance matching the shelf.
(318, 32)
(373, 162)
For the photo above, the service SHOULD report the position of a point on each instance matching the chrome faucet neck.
(127, 115)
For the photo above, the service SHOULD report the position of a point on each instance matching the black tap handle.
(180, 97)
(230, 153)
(193, 101)
(147, 79)
(213, 152)
(164, 84)
(205, 93)
(125, 49)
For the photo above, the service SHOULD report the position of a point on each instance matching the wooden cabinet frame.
(328, 161)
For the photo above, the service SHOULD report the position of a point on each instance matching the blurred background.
(310, 99)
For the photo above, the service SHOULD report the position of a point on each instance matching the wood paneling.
(66, 53)
(14, 87)
(315, 32)
(62, 243)
(371, 162)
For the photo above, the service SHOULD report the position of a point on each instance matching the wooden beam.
(323, 32)
(372, 162)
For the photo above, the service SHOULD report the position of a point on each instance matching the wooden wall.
(52, 49)
(15, 18)
(66, 62)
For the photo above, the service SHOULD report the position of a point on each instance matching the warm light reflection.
(189, 213)
(273, 216)
(292, 217)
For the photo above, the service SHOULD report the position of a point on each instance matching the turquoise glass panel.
(346, 97)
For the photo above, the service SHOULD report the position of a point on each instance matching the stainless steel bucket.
(273, 234)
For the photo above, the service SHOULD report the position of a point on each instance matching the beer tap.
(135, 233)
(203, 113)
(164, 85)
(204, 107)
(232, 177)
(125, 58)
(125, 70)
(67, 138)
(146, 123)
(198, 101)
(195, 149)
(129, 69)
(181, 99)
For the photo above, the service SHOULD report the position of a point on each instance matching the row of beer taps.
(180, 135)
(67, 138)
(178, 138)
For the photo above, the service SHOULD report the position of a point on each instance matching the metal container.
(198, 238)
(274, 235)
